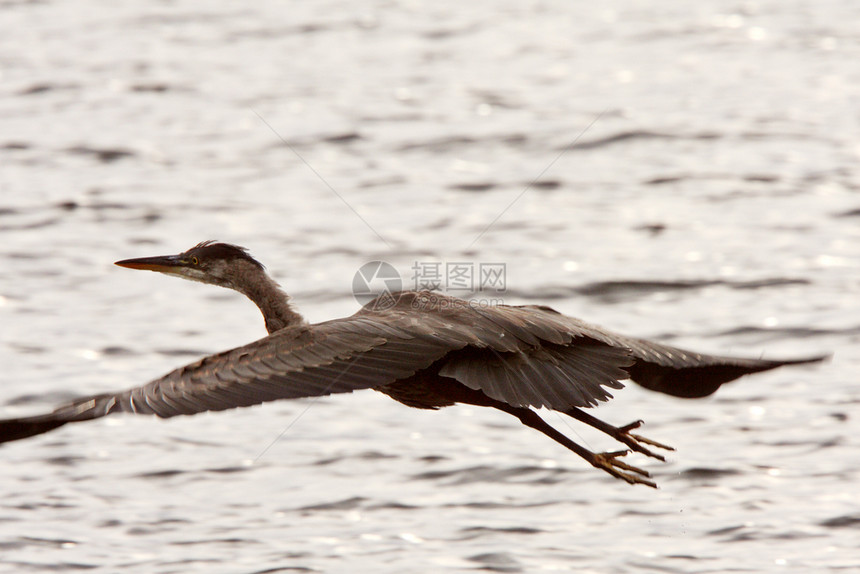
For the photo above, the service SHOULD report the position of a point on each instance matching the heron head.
(209, 262)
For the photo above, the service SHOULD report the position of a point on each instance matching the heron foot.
(609, 462)
(621, 434)
(635, 441)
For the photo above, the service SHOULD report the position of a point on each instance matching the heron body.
(423, 349)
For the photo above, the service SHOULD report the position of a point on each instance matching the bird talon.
(629, 427)
(631, 468)
(622, 434)
(615, 453)
(635, 441)
(608, 462)
(640, 438)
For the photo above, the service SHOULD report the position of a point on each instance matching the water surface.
(687, 173)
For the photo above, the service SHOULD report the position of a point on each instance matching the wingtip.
(823, 358)
(17, 429)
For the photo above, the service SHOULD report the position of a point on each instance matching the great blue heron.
(423, 349)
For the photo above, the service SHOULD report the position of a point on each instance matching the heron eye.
(195, 261)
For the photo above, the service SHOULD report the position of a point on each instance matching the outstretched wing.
(691, 375)
(541, 358)
(675, 371)
(335, 357)
(341, 356)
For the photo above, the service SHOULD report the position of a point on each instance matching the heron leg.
(606, 461)
(447, 391)
(621, 434)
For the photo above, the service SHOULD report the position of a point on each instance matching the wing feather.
(333, 357)
(552, 376)
(655, 366)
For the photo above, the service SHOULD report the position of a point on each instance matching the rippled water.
(687, 173)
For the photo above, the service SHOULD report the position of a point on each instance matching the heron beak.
(162, 264)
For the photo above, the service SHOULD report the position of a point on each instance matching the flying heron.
(423, 349)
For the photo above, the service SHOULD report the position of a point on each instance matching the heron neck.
(272, 301)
